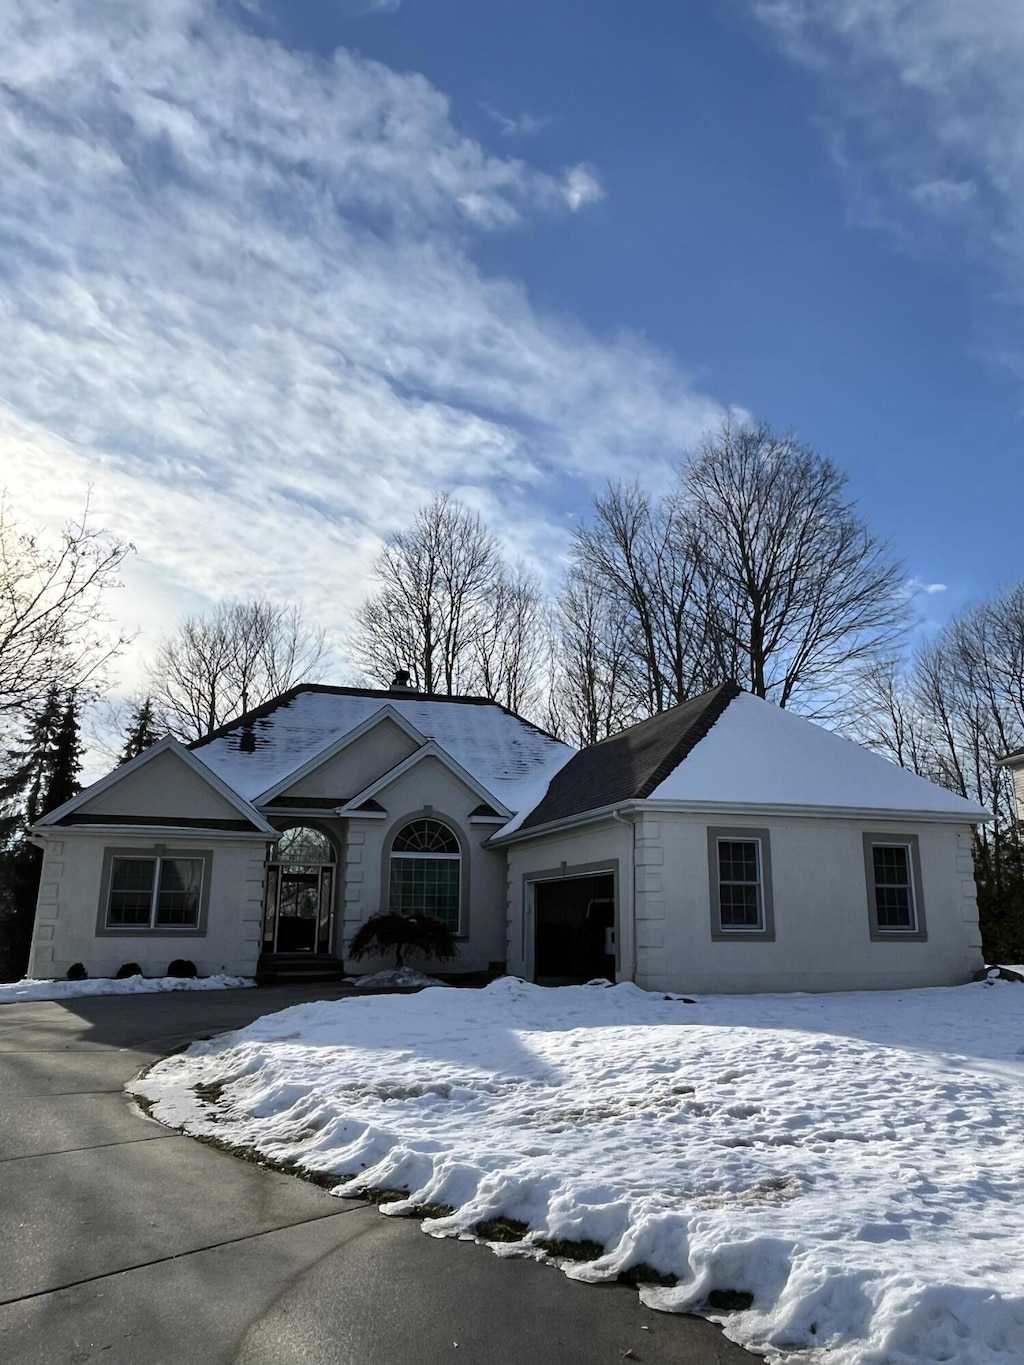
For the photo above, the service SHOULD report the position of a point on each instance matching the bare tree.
(238, 656)
(800, 594)
(437, 582)
(890, 718)
(594, 686)
(642, 556)
(509, 644)
(52, 627)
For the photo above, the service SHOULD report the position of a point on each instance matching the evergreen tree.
(42, 774)
(65, 760)
(142, 731)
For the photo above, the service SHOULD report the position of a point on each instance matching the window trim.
(462, 857)
(765, 933)
(880, 933)
(153, 930)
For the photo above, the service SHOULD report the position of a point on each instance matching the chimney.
(401, 682)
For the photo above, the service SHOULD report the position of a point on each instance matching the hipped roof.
(729, 749)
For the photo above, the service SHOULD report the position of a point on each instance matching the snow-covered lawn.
(855, 1162)
(106, 985)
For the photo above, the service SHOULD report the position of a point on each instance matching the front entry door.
(298, 909)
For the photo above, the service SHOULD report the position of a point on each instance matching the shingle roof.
(630, 765)
(504, 753)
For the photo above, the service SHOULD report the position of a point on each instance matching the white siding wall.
(1018, 789)
(69, 900)
(822, 939)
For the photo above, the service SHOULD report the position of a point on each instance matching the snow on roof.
(503, 752)
(758, 754)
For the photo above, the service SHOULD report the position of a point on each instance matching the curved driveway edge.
(127, 1243)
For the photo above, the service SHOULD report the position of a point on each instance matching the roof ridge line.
(727, 692)
(286, 697)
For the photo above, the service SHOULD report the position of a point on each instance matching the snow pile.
(107, 985)
(854, 1162)
(395, 976)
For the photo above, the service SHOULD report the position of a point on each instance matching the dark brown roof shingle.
(630, 765)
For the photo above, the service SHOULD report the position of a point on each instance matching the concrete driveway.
(125, 1243)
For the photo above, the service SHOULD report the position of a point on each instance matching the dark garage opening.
(575, 929)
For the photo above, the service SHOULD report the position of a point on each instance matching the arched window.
(426, 868)
(303, 845)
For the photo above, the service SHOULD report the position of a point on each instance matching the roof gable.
(429, 751)
(165, 785)
(352, 760)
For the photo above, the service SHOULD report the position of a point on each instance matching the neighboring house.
(724, 845)
(1015, 763)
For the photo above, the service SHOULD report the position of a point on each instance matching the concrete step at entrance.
(273, 967)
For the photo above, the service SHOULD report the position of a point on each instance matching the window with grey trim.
(892, 868)
(158, 892)
(740, 893)
(740, 878)
(425, 872)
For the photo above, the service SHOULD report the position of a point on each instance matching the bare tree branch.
(52, 628)
(236, 657)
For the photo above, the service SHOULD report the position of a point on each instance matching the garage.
(575, 929)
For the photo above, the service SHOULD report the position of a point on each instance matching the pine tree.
(141, 732)
(24, 789)
(42, 774)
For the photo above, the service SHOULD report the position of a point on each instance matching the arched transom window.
(426, 871)
(303, 845)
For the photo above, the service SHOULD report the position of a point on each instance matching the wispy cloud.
(931, 108)
(918, 585)
(518, 125)
(237, 294)
(581, 187)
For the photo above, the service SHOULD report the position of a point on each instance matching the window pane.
(425, 836)
(739, 905)
(737, 860)
(131, 890)
(178, 897)
(891, 864)
(894, 908)
(894, 898)
(303, 845)
(426, 886)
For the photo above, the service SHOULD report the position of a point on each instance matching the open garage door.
(575, 929)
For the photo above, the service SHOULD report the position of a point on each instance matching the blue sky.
(273, 272)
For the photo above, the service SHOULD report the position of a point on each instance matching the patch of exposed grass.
(730, 1300)
(501, 1230)
(382, 1195)
(210, 1092)
(433, 1211)
(325, 1180)
(379, 1194)
(569, 1250)
(146, 1105)
(642, 1273)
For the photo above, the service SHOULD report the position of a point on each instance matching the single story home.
(725, 845)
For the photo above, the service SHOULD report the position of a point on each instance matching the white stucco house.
(724, 845)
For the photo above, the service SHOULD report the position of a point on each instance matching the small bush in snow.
(127, 969)
(400, 934)
(77, 972)
(182, 967)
